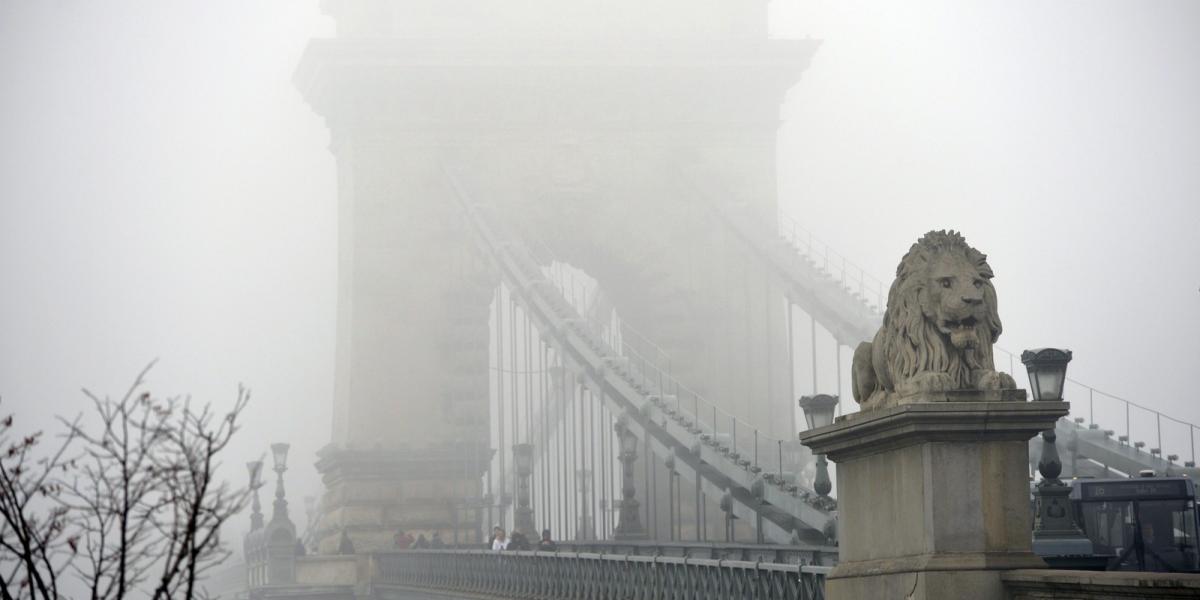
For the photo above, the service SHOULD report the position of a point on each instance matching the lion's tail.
(862, 374)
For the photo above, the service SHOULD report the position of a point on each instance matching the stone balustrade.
(1049, 584)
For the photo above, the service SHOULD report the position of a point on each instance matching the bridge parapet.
(824, 556)
(567, 575)
(1044, 584)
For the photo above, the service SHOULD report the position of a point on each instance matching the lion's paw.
(996, 380)
(929, 382)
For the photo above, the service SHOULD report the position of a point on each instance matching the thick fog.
(165, 191)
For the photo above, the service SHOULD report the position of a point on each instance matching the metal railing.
(766, 233)
(1140, 422)
(1137, 419)
(567, 576)
(819, 556)
(833, 264)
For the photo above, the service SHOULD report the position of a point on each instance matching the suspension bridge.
(568, 309)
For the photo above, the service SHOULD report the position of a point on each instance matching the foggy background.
(165, 191)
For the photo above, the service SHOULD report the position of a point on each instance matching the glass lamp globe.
(818, 409)
(279, 452)
(1047, 372)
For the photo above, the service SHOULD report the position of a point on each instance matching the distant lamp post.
(523, 513)
(279, 453)
(672, 481)
(818, 412)
(271, 548)
(629, 523)
(1054, 530)
(256, 516)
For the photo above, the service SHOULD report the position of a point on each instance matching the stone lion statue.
(939, 327)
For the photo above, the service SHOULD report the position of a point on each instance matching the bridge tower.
(590, 123)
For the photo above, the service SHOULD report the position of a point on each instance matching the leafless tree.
(138, 506)
(33, 521)
(197, 503)
(114, 490)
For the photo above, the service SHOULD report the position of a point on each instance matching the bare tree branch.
(128, 503)
(33, 535)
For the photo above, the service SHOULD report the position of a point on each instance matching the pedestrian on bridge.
(518, 541)
(546, 544)
(499, 539)
(402, 541)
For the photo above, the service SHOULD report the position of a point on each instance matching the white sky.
(166, 192)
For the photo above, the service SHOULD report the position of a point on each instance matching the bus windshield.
(1144, 535)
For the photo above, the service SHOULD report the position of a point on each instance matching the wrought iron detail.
(567, 576)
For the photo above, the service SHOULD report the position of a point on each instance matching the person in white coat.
(499, 540)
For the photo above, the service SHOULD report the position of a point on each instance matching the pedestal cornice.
(943, 417)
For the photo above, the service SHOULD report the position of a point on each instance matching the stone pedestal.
(933, 494)
(371, 494)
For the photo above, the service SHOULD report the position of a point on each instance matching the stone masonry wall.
(1046, 584)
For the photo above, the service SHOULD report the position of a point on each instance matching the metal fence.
(1132, 424)
(818, 556)
(567, 576)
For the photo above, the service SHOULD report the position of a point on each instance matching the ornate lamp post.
(523, 514)
(252, 549)
(1054, 531)
(1047, 371)
(279, 453)
(271, 547)
(672, 476)
(629, 524)
(818, 412)
(256, 516)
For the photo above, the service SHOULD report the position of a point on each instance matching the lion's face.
(954, 299)
(939, 327)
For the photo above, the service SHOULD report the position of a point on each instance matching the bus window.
(1169, 533)
(1147, 524)
(1109, 525)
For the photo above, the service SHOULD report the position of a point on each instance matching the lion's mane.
(909, 341)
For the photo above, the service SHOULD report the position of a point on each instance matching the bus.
(1144, 523)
